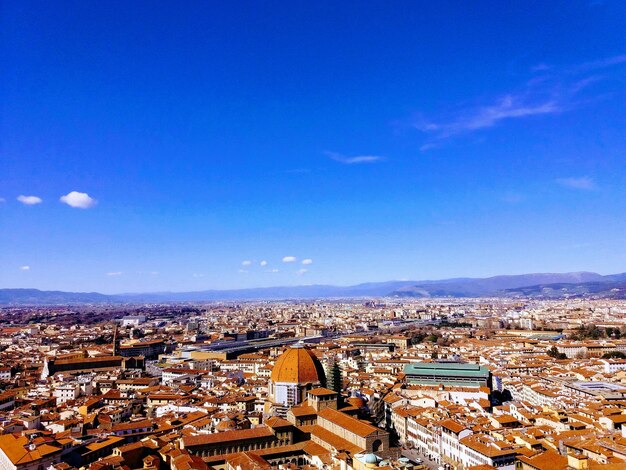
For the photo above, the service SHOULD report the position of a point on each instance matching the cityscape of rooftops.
(313, 235)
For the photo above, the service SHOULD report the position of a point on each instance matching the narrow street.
(417, 456)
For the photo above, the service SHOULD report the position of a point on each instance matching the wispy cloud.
(29, 200)
(584, 83)
(540, 67)
(355, 160)
(263, 263)
(78, 200)
(289, 259)
(302, 272)
(598, 64)
(2, 200)
(246, 263)
(428, 146)
(114, 273)
(307, 261)
(549, 90)
(25, 268)
(584, 183)
(507, 107)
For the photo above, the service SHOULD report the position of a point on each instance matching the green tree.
(614, 355)
(554, 352)
(334, 376)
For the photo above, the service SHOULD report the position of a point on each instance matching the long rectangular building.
(450, 374)
(147, 349)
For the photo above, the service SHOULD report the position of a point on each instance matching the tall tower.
(115, 340)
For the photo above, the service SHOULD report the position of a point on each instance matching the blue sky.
(149, 146)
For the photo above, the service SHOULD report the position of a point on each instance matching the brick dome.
(298, 365)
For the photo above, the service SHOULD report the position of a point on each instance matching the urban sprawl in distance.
(352, 384)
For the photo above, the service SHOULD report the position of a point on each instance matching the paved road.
(414, 455)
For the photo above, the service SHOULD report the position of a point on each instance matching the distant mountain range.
(540, 286)
(501, 285)
(52, 297)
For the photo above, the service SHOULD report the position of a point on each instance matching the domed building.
(296, 371)
(368, 460)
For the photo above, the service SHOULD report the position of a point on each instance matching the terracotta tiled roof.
(247, 460)
(333, 440)
(549, 460)
(227, 436)
(302, 411)
(358, 427)
(276, 422)
(321, 391)
(18, 451)
(452, 425)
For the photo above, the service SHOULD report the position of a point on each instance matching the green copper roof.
(446, 369)
(446, 383)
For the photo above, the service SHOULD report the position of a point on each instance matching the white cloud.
(273, 270)
(78, 200)
(263, 263)
(246, 263)
(289, 259)
(243, 271)
(302, 271)
(508, 107)
(353, 160)
(307, 261)
(585, 183)
(25, 268)
(29, 200)
(197, 275)
(114, 273)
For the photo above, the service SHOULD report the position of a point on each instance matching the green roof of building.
(446, 369)
(546, 336)
(446, 383)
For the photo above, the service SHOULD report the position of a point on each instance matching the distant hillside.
(374, 289)
(551, 285)
(491, 286)
(38, 297)
(607, 290)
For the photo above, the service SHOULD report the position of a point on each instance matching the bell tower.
(115, 341)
